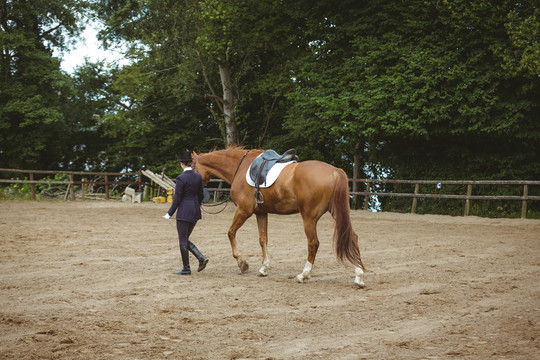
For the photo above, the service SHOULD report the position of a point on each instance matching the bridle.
(229, 197)
(195, 162)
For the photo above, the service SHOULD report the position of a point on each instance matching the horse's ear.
(193, 154)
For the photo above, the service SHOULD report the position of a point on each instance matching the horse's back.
(314, 182)
(316, 174)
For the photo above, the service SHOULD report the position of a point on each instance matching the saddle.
(262, 165)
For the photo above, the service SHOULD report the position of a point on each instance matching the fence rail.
(71, 182)
(415, 195)
(467, 197)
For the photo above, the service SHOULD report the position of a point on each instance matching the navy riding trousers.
(184, 229)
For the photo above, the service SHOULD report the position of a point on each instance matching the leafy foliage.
(424, 87)
(36, 131)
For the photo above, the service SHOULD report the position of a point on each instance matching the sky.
(89, 46)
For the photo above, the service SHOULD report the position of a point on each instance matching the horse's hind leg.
(310, 228)
(262, 224)
(239, 219)
(359, 277)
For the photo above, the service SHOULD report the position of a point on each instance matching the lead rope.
(226, 202)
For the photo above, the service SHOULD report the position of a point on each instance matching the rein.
(238, 167)
(226, 201)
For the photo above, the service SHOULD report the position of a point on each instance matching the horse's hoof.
(244, 267)
(260, 274)
(360, 285)
(299, 279)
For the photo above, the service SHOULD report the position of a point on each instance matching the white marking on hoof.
(306, 273)
(263, 270)
(359, 279)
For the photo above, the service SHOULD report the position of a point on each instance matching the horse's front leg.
(262, 224)
(239, 219)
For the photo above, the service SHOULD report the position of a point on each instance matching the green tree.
(424, 86)
(32, 87)
(86, 145)
(223, 56)
(162, 108)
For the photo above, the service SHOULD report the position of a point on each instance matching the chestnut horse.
(310, 188)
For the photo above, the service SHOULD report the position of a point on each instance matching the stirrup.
(259, 198)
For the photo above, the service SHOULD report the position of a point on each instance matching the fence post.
(71, 187)
(150, 190)
(107, 187)
(524, 202)
(467, 201)
(218, 193)
(366, 201)
(139, 175)
(415, 199)
(32, 186)
(84, 186)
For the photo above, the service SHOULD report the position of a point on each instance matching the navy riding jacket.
(188, 195)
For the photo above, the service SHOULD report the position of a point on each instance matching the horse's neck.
(224, 165)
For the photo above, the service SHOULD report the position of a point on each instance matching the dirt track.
(95, 280)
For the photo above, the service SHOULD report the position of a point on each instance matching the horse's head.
(200, 168)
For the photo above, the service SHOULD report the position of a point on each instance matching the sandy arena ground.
(95, 280)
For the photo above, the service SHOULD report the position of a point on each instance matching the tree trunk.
(231, 131)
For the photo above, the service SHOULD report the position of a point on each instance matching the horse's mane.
(235, 147)
(230, 147)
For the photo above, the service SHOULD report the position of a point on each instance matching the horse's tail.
(345, 239)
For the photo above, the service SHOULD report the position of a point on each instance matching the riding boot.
(202, 259)
(185, 260)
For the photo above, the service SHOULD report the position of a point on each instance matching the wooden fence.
(84, 180)
(415, 195)
(467, 197)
